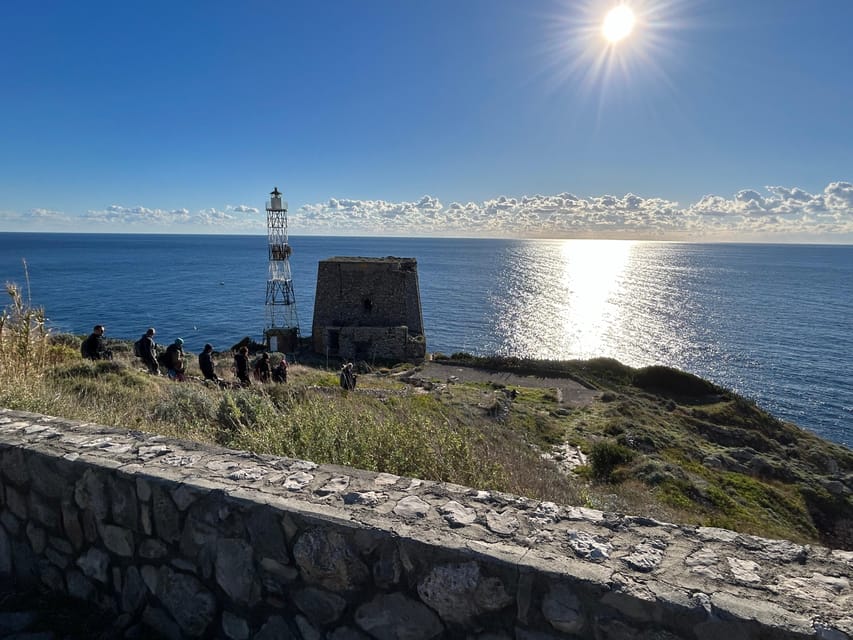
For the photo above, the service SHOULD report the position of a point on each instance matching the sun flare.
(618, 23)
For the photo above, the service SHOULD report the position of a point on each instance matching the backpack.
(137, 348)
(84, 349)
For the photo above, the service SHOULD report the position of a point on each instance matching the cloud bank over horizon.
(775, 213)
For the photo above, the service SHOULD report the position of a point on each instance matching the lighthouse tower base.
(281, 339)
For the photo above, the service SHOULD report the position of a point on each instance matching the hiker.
(241, 366)
(146, 349)
(263, 371)
(347, 377)
(174, 360)
(279, 372)
(94, 347)
(206, 364)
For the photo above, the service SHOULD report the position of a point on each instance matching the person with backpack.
(279, 372)
(263, 370)
(94, 347)
(241, 366)
(146, 349)
(347, 377)
(206, 364)
(174, 360)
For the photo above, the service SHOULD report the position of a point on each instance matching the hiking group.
(173, 360)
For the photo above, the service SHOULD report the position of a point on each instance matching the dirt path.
(570, 393)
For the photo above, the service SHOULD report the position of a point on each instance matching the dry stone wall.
(193, 541)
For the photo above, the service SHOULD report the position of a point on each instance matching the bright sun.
(618, 23)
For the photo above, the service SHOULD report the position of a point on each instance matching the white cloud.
(771, 213)
(182, 220)
(242, 208)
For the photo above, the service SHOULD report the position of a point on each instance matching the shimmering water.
(773, 322)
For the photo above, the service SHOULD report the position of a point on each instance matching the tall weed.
(24, 343)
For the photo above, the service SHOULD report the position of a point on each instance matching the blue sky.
(715, 120)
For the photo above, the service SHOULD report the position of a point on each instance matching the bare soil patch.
(569, 392)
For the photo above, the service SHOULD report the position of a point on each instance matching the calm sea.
(773, 322)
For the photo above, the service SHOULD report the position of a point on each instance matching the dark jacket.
(205, 363)
(279, 372)
(263, 371)
(175, 358)
(94, 347)
(347, 379)
(149, 349)
(241, 364)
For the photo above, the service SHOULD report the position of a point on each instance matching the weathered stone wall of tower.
(368, 308)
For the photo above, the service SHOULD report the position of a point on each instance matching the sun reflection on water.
(564, 301)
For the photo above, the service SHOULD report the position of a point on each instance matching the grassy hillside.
(659, 442)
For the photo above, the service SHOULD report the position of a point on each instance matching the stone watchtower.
(369, 308)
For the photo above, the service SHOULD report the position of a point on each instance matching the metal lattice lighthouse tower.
(282, 324)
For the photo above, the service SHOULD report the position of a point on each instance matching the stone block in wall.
(234, 627)
(190, 604)
(346, 633)
(10, 522)
(267, 536)
(276, 577)
(42, 511)
(562, 608)
(389, 616)
(306, 630)
(14, 466)
(155, 618)
(388, 567)
(275, 628)
(45, 479)
(53, 579)
(90, 493)
(71, 524)
(320, 606)
(17, 503)
(133, 590)
(123, 502)
(118, 540)
(79, 586)
(94, 564)
(90, 525)
(5, 553)
(37, 538)
(325, 558)
(235, 571)
(459, 592)
(152, 549)
(167, 520)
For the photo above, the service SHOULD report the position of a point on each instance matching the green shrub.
(670, 382)
(605, 457)
(186, 405)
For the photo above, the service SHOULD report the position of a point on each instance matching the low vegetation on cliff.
(655, 441)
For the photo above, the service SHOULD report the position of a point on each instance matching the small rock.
(586, 546)
(457, 515)
(412, 507)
